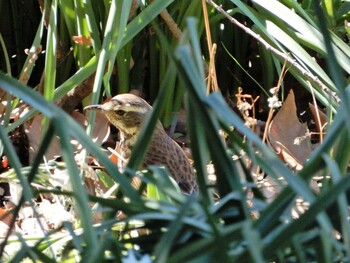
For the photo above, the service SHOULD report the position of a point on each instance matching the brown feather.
(127, 112)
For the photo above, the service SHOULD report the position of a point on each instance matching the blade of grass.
(332, 63)
(50, 58)
(191, 72)
(27, 194)
(342, 204)
(324, 200)
(162, 249)
(6, 56)
(51, 111)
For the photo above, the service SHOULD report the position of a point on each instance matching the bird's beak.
(93, 107)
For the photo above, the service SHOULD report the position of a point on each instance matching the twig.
(173, 27)
(73, 97)
(319, 125)
(272, 109)
(275, 92)
(312, 78)
(169, 21)
(212, 83)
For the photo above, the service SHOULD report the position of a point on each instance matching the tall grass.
(242, 225)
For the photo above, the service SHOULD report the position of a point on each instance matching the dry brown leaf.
(82, 40)
(288, 136)
(33, 131)
(101, 126)
(5, 216)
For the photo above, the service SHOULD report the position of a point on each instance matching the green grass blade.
(79, 191)
(51, 111)
(50, 58)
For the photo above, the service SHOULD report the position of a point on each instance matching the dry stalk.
(319, 125)
(212, 83)
(169, 21)
(275, 93)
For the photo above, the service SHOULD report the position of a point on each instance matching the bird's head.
(125, 111)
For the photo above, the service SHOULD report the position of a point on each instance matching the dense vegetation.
(281, 166)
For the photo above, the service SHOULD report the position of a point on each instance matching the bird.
(127, 112)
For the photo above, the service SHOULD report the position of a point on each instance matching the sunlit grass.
(163, 225)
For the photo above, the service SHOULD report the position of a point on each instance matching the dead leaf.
(33, 131)
(288, 136)
(82, 40)
(101, 126)
(5, 216)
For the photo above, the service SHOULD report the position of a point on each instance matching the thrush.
(127, 112)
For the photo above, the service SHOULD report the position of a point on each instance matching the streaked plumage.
(127, 112)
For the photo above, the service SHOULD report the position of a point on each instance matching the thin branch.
(173, 27)
(212, 83)
(312, 78)
(169, 21)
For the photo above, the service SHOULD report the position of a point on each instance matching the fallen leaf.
(288, 136)
(33, 131)
(101, 126)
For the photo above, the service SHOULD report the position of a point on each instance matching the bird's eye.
(120, 112)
